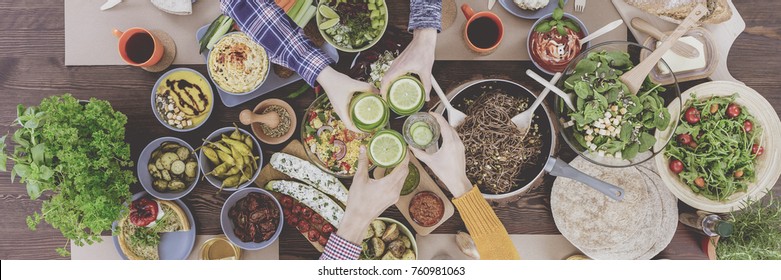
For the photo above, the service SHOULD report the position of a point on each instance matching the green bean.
(233, 171)
(230, 182)
(226, 157)
(238, 145)
(211, 155)
(248, 141)
(237, 158)
(219, 170)
(236, 135)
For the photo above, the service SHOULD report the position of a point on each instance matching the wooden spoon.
(680, 48)
(454, 116)
(635, 77)
(524, 120)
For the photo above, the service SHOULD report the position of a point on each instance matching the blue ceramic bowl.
(227, 224)
(146, 179)
(206, 166)
(546, 18)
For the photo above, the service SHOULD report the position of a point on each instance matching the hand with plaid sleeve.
(286, 45)
(368, 199)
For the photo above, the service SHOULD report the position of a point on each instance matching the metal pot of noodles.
(500, 161)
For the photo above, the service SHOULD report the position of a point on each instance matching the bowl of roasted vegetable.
(388, 239)
(168, 168)
(251, 218)
(606, 123)
(230, 158)
(723, 150)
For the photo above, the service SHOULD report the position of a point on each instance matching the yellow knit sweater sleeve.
(492, 240)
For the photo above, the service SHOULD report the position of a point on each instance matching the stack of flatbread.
(639, 227)
(177, 7)
(676, 10)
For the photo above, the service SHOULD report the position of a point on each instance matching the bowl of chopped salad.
(328, 143)
(723, 153)
(607, 124)
(352, 25)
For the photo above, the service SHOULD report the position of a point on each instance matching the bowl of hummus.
(238, 65)
(551, 49)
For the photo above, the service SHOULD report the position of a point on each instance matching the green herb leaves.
(757, 235)
(558, 21)
(77, 153)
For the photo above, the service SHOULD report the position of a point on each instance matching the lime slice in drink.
(422, 135)
(411, 182)
(369, 111)
(327, 12)
(406, 95)
(387, 149)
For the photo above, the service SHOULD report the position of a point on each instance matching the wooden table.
(32, 67)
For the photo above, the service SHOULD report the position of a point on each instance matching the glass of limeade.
(369, 112)
(421, 131)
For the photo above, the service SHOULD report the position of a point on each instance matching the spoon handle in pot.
(559, 168)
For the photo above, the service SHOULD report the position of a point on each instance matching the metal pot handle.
(559, 168)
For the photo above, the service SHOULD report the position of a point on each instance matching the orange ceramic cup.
(126, 51)
(471, 16)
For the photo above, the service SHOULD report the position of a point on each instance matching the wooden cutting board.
(724, 34)
(426, 184)
(268, 173)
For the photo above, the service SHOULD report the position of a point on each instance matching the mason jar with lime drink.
(369, 112)
(387, 149)
(421, 131)
(406, 95)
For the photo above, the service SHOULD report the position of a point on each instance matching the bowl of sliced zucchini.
(168, 168)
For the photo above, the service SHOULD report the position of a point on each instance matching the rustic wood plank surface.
(32, 67)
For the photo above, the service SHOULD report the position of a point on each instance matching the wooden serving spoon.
(680, 48)
(634, 78)
(271, 119)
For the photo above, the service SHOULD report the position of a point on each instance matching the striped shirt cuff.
(285, 42)
(339, 249)
(425, 14)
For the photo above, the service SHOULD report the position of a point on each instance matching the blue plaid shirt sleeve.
(339, 249)
(285, 42)
(425, 14)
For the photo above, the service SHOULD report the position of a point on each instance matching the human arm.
(418, 56)
(449, 164)
(287, 45)
(368, 198)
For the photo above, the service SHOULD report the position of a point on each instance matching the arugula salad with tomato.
(716, 147)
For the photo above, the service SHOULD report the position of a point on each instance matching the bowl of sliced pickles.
(168, 168)
(230, 158)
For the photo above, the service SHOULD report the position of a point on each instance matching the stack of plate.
(639, 227)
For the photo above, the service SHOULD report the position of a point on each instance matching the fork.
(580, 5)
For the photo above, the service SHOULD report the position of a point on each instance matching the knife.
(491, 4)
(110, 4)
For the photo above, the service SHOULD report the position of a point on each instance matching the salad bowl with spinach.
(609, 125)
(352, 25)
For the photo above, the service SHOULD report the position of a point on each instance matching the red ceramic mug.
(483, 30)
(139, 47)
